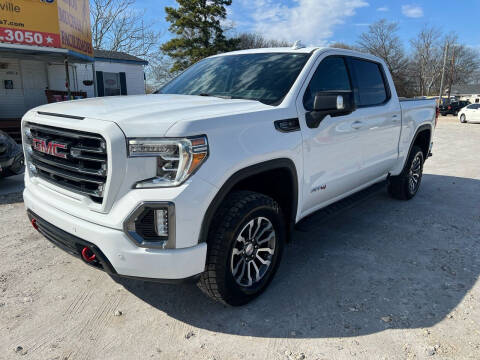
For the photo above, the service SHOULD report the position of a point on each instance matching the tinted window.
(330, 75)
(370, 86)
(264, 77)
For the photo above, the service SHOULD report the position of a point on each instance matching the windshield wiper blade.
(219, 96)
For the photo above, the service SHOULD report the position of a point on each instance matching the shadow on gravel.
(380, 264)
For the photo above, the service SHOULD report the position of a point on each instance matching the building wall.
(31, 78)
(29, 82)
(133, 74)
(12, 104)
(473, 98)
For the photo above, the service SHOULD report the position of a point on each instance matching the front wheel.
(245, 246)
(406, 185)
(463, 118)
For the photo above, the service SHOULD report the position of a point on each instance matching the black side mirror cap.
(333, 103)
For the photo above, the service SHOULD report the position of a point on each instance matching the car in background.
(470, 113)
(11, 156)
(453, 108)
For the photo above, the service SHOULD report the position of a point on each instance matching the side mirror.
(333, 103)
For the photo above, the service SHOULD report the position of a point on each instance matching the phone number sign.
(47, 23)
(25, 37)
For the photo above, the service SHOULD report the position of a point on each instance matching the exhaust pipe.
(88, 255)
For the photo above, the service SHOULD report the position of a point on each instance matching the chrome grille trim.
(84, 170)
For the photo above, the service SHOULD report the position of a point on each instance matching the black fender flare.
(420, 129)
(281, 163)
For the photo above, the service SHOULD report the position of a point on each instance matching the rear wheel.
(463, 118)
(406, 185)
(245, 246)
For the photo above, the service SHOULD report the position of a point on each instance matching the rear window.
(370, 84)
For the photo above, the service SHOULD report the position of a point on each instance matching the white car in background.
(470, 113)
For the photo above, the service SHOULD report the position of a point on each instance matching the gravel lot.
(384, 279)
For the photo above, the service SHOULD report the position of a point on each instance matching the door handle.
(395, 118)
(357, 125)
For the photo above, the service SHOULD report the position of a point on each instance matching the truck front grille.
(74, 160)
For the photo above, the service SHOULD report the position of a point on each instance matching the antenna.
(298, 45)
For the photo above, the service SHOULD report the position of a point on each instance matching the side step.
(312, 221)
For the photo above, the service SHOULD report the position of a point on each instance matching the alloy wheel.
(415, 174)
(253, 252)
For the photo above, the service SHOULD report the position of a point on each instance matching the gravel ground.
(384, 279)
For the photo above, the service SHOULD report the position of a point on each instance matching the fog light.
(161, 222)
(152, 225)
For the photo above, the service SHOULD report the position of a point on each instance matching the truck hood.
(147, 115)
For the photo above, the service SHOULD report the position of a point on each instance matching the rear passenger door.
(379, 116)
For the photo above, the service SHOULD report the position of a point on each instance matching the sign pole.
(67, 78)
(95, 91)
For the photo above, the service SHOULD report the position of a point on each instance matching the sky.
(321, 22)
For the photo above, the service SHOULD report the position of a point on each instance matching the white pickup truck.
(206, 178)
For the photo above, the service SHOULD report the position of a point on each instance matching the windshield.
(265, 77)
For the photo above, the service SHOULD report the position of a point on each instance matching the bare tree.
(341, 45)
(463, 63)
(256, 41)
(426, 59)
(118, 26)
(475, 77)
(161, 72)
(381, 40)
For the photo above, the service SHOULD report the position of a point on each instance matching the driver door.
(333, 150)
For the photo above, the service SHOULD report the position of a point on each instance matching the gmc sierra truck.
(206, 179)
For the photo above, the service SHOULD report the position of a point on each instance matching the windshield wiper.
(219, 96)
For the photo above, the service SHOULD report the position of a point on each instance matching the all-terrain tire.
(400, 187)
(237, 211)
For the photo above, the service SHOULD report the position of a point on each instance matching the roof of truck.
(302, 50)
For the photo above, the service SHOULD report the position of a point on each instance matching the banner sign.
(48, 23)
(74, 24)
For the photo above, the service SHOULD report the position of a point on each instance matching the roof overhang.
(42, 53)
(123, 61)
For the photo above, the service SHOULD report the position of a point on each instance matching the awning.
(42, 53)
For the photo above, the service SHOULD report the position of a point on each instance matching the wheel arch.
(244, 177)
(422, 138)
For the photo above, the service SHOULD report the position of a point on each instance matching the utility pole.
(445, 52)
(452, 72)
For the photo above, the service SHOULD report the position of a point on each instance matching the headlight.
(177, 159)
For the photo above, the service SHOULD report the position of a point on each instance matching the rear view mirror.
(333, 103)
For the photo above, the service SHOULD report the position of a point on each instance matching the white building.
(470, 92)
(26, 74)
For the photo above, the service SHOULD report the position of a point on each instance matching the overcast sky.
(319, 22)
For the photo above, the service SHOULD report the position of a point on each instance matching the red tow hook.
(34, 223)
(88, 255)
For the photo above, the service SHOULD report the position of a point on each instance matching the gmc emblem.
(50, 148)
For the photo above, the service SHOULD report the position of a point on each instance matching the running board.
(313, 221)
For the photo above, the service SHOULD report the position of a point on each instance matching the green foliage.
(197, 24)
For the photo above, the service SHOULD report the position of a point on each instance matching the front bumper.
(120, 255)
